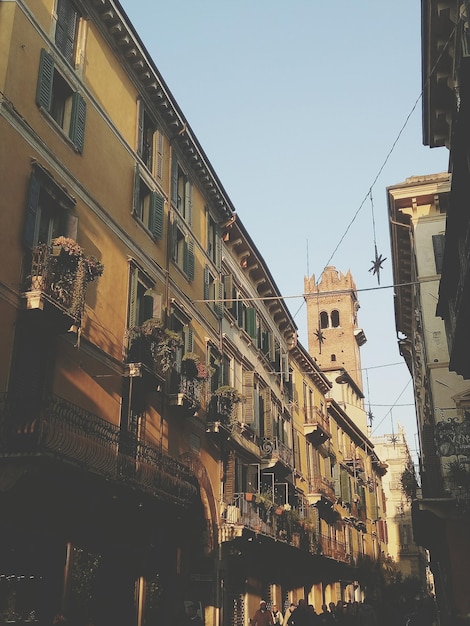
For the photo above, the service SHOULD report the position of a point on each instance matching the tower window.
(324, 319)
(335, 318)
(333, 357)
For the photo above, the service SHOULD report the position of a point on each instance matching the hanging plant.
(227, 398)
(409, 484)
(189, 365)
(63, 270)
(154, 345)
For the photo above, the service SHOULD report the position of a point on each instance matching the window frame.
(71, 121)
(150, 214)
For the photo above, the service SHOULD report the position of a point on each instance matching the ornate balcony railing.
(316, 425)
(246, 511)
(334, 549)
(60, 273)
(62, 430)
(273, 450)
(322, 486)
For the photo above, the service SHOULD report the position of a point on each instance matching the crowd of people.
(304, 614)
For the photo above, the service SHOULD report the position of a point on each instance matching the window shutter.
(272, 347)
(66, 28)
(228, 290)
(77, 121)
(188, 339)
(31, 211)
(70, 225)
(206, 283)
(136, 198)
(154, 307)
(174, 246)
(248, 394)
(188, 202)
(438, 242)
(336, 480)
(219, 294)
(218, 246)
(250, 328)
(159, 154)
(140, 127)
(45, 78)
(297, 451)
(133, 297)
(345, 486)
(156, 215)
(268, 414)
(174, 181)
(189, 253)
(229, 489)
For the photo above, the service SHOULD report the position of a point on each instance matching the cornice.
(113, 23)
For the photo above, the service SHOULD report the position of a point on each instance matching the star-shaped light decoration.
(320, 337)
(377, 264)
(393, 439)
(370, 415)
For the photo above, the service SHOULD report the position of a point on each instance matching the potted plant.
(189, 365)
(227, 398)
(153, 345)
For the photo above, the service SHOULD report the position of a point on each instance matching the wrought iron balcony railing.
(274, 450)
(63, 431)
(334, 549)
(269, 519)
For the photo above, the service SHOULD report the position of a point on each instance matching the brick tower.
(332, 307)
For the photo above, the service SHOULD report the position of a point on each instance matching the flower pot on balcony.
(250, 497)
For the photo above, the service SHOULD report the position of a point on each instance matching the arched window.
(324, 319)
(333, 357)
(335, 318)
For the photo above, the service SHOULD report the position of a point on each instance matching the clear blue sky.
(297, 105)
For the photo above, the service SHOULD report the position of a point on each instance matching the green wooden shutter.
(133, 297)
(157, 204)
(77, 121)
(31, 211)
(45, 79)
(66, 28)
(438, 244)
(136, 197)
(218, 246)
(219, 294)
(248, 395)
(174, 181)
(268, 414)
(250, 326)
(189, 256)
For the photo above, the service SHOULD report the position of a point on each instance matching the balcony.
(68, 435)
(60, 273)
(275, 454)
(247, 512)
(187, 395)
(320, 487)
(316, 426)
(334, 549)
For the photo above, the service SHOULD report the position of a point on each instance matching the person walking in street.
(262, 617)
(288, 613)
(277, 616)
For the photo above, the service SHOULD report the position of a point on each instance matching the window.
(213, 292)
(183, 250)
(148, 206)
(66, 107)
(324, 321)
(213, 240)
(48, 211)
(149, 142)
(181, 192)
(438, 243)
(66, 29)
(335, 318)
(144, 302)
(182, 328)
